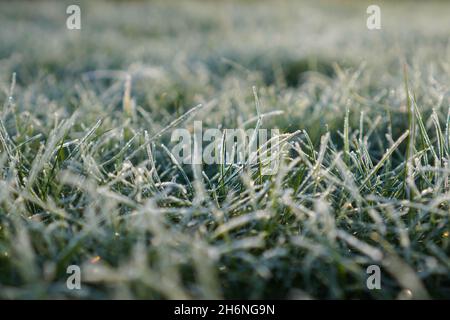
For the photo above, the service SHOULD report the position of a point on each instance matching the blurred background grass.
(181, 53)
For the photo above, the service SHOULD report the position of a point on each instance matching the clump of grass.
(87, 176)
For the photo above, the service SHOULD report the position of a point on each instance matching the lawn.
(88, 176)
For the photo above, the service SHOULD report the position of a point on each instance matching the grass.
(88, 178)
